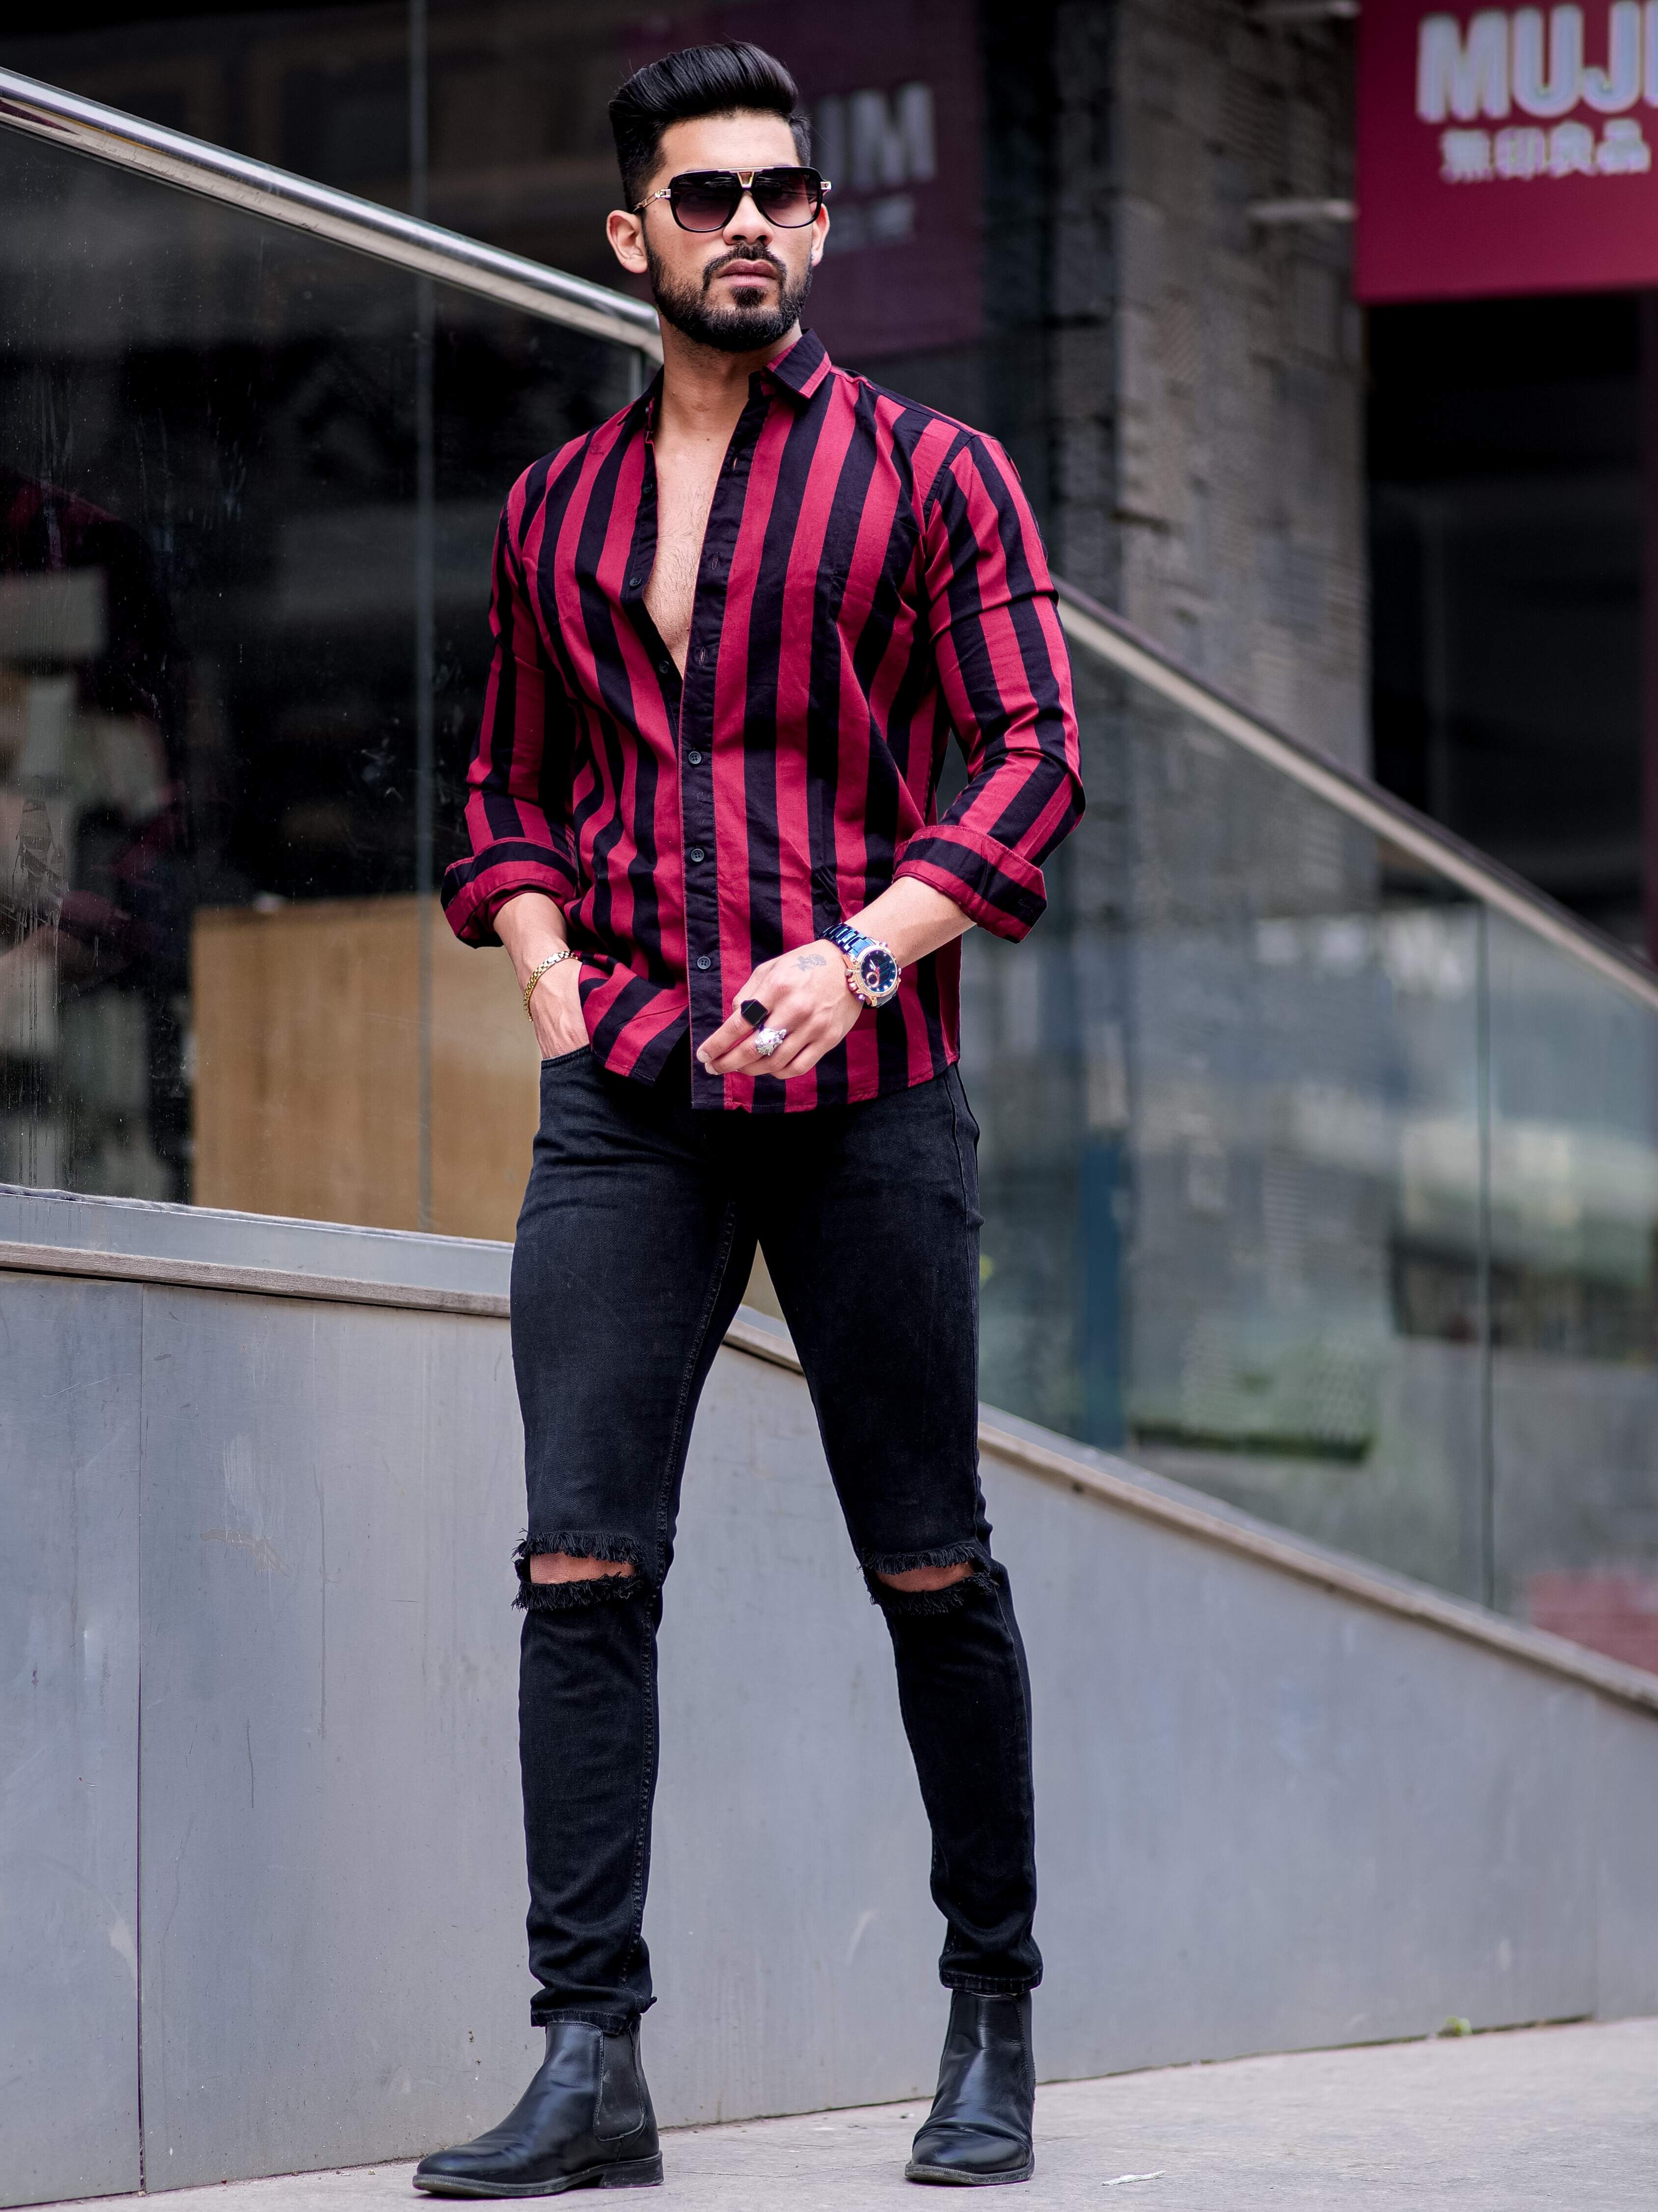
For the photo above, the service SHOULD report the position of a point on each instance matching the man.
(735, 627)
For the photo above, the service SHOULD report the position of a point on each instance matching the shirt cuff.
(475, 888)
(994, 885)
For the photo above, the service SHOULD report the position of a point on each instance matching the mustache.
(744, 257)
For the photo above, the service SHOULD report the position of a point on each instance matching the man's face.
(738, 290)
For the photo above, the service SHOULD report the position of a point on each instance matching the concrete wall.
(1283, 1801)
(1183, 389)
(69, 1353)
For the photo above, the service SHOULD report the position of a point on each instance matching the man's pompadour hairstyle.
(727, 79)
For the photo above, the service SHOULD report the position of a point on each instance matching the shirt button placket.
(697, 715)
(696, 804)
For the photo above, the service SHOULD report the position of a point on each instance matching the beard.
(748, 323)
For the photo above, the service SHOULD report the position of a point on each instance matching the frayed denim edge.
(599, 1589)
(951, 1598)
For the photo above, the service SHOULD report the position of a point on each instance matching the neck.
(704, 389)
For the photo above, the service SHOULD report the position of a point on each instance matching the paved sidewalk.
(1562, 2116)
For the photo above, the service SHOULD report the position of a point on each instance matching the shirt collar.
(795, 375)
(798, 373)
(642, 414)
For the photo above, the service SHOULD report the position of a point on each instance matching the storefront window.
(222, 980)
(1310, 1178)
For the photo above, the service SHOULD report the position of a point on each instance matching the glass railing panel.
(1230, 1101)
(1310, 1178)
(225, 505)
(508, 388)
(1574, 1246)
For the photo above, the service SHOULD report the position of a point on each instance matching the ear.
(626, 236)
(820, 228)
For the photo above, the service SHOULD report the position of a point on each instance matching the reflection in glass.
(1573, 1237)
(209, 494)
(1232, 1161)
(1307, 1181)
(93, 853)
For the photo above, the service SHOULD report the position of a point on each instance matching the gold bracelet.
(552, 961)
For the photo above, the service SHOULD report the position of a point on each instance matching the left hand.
(803, 992)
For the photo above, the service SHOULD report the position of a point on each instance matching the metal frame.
(276, 195)
(64, 119)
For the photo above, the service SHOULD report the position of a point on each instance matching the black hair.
(729, 78)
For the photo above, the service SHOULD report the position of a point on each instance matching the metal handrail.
(1086, 622)
(64, 119)
(108, 135)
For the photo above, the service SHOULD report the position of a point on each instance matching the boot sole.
(631, 2173)
(949, 2177)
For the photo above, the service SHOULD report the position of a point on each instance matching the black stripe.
(616, 709)
(762, 740)
(1026, 805)
(634, 996)
(870, 621)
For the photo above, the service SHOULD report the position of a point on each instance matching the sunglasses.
(707, 199)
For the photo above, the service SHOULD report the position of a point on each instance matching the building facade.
(1308, 1178)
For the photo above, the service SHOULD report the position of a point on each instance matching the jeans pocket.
(964, 1103)
(966, 1145)
(563, 1059)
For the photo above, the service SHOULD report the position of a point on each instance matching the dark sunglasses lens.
(787, 197)
(702, 203)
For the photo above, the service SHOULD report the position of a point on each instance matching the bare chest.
(684, 489)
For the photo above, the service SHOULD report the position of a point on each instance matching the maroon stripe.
(872, 579)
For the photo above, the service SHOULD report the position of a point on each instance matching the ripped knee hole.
(568, 1567)
(929, 1579)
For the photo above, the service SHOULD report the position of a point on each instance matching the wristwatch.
(871, 970)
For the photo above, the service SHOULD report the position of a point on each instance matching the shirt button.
(703, 960)
(697, 852)
(664, 665)
(696, 759)
(633, 582)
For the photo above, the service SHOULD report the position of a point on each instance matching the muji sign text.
(1506, 149)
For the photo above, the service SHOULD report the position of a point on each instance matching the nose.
(746, 220)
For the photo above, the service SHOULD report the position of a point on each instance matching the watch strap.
(854, 947)
(847, 939)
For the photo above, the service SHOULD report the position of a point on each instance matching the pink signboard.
(1506, 149)
(892, 87)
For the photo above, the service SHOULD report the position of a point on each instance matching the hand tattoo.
(812, 960)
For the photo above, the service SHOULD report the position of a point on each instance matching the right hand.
(531, 927)
(556, 1010)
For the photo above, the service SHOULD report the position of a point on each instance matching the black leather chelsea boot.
(585, 2121)
(978, 2132)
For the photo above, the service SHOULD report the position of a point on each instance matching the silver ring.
(766, 1041)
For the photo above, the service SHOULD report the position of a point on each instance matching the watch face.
(879, 971)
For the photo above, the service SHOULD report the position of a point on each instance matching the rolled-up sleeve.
(518, 809)
(1004, 676)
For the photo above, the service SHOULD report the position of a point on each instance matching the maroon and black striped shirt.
(872, 579)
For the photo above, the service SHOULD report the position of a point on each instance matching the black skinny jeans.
(634, 1249)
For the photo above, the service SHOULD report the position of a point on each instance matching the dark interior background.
(1506, 580)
